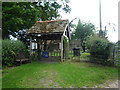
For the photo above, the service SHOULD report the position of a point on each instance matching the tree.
(83, 30)
(17, 16)
(22, 15)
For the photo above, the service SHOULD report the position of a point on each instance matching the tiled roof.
(53, 26)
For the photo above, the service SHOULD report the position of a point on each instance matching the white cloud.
(88, 10)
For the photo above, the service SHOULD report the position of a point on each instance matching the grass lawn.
(56, 75)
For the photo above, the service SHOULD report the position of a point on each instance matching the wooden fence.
(117, 55)
(52, 56)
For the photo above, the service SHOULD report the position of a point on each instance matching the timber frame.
(44, 31)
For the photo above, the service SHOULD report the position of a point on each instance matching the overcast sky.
(88, 10)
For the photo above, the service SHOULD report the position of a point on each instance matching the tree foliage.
(22, 15)
(17, 16)
(83, 30)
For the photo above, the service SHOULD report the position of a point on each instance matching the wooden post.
(67, 52)
(38, 45)
(62, 48)
(39, 48)
(30, 45)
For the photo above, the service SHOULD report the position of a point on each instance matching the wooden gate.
(52, 49)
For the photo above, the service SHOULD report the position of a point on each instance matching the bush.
(9, 50)
(99, 49)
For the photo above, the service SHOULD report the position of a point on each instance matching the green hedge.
(99, 49)
(9, 50)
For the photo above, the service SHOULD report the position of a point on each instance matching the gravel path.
(109, 84)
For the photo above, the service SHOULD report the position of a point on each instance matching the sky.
(88, 10)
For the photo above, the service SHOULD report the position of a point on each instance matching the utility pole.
(100, 32)
(100, 14)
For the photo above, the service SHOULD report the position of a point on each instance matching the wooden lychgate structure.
(49, 37)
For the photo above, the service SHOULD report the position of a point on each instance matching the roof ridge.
(54, 20)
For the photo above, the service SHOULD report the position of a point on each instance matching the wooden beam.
(30, 45)
(67, 52)
(39, 48)
(62, 38)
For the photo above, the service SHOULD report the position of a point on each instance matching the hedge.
(9, 50)
(99, 49)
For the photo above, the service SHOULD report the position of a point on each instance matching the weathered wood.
(50, 31)
(62, 48)
(51, 58)
(22, 57)
(48, 26)
(31, 45)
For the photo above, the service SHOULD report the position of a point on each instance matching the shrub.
(99, 49)
(9, 50)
